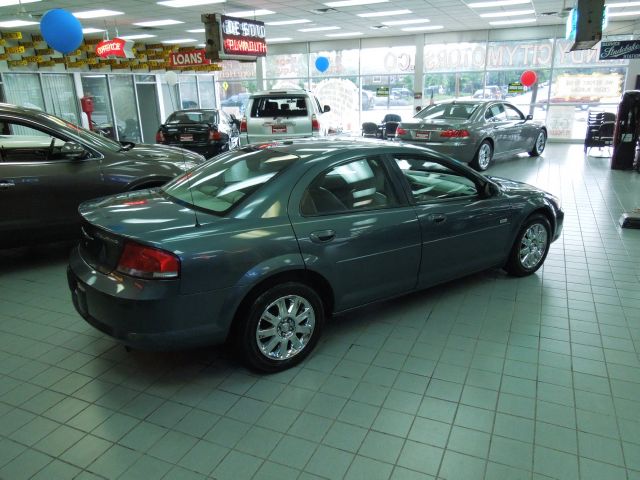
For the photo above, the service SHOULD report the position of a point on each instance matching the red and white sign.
(192, 58)
(115, 48)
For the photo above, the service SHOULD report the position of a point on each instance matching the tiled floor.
(489, 377)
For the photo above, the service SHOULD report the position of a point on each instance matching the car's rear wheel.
(483, 157)
(531, 247)
(538, 147)
(281, 327)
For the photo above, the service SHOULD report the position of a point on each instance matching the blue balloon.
(322, 63)
(61, 30)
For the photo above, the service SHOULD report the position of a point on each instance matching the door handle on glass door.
(322, 236)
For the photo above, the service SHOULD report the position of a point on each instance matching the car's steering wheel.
(51, 147)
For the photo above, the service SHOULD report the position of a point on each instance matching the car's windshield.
(193, 116)
(88, 136)
(217, 186)
(462, 111)
(279, 106)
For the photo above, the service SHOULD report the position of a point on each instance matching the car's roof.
(195, 110)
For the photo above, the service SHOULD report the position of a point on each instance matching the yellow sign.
(33, 59)
(15, 50)
(36, 38)
(12, 35)
(17, 63)
(45, 51)
(27, 44)
(4, 56)
(3, 42)
(48, 63)
(59, 60)
(225, 86)
(78, 64)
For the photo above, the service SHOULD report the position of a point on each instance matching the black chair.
(387, 129)
(369, 129)
(600, 126)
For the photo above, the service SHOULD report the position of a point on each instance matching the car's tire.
(539, 145)
(484, 156)
(531, 246)
(272, 347)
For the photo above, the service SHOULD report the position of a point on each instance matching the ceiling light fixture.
(196, 30)
(511, 22)
(97, 13)
(624, 14)
(16, 23)
(92, 30)
(278, 39)
(384, 14)
(497, 3)
(406, 22)
(138, 36)
(512, 13)
(346, 34)
(7, 3)
(423, 28)
(188, 3)
(288, 22)
(353, 3)
(623, 4)
(158, 23)
(176, 41)
(250, 13)
(318, 29)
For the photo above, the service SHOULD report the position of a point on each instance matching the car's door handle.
(437, 217)
(6, 184)
(322, 236)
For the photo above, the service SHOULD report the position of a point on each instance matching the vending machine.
(627, 131)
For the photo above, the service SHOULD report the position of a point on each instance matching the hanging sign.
(515, 87)
(382, 92)
(12, 35)
(231, 38)
(188, 59)
(115, 48)
(623, 49)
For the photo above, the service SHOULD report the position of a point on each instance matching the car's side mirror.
(327, 108)
(73, 150)
(529, 117)
(489, 190)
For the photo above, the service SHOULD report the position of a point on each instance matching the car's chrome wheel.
(483, 157)
(541, 142)
(285, 327)
(533, 246)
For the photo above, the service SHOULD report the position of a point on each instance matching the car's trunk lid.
(181, 133)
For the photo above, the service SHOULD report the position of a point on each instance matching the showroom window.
(60, 96)
(125, 107)
(24, 89)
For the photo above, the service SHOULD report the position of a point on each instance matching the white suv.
(278, 114)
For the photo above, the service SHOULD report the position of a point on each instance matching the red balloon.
(528, 78)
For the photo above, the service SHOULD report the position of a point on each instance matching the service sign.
(192, 58)
(115, 48)
(243, 37)
(623, 49)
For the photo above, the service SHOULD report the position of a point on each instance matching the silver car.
(475, 131)
(279, 114)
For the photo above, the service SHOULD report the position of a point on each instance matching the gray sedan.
(260, 244)
(475, 131)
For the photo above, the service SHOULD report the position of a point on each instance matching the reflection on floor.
(489, 377)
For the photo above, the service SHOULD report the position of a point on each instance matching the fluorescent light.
(97, 13)
(616, 5)
(278, 39)
(406, 22)
(136, 37)
(497, 3)
(16, 23)
(92, 30)
(423, 28)
(288, 22)
(347, 34)
(175, 41)
(249, 13)
(384, 14)
(188, 3)
(158, 23)
(318, 29)
(624, 14)
(512, 13)
(511, 22)
(196, 30)
(353, 3)
(7, 3)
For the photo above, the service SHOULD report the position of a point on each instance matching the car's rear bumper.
(146, 314)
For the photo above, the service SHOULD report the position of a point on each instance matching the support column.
(418, 74)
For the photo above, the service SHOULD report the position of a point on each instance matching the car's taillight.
(454, 133)
(148, 262)
(243, 125)
(400, 131)
(215, 135)
(159, 137)
(315, 124)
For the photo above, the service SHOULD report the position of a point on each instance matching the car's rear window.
(462, 111)
(194, 117)
(218, 185)
(279, 106)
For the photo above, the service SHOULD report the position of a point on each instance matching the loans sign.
(192, 58)
(115, 48)
(624, 49)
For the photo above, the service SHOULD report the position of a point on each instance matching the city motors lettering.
(474, 56)
(189, 59)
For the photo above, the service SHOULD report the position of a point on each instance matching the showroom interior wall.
(351, 84)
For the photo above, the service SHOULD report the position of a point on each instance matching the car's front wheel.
(531, 247)
(538, 147)
(281, 327)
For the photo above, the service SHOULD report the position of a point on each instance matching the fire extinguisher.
(86, 104)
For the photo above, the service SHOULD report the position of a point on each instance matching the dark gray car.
(260, 244)
(49, 166)
(474, 131)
